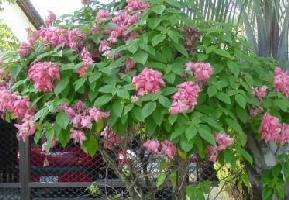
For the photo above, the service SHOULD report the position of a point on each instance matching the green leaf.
(79, 83)
(141, 57)
(223, 53)
(164, 101)
(181, 49)
(100, 101)
(205, 133)
(108, 89)
(61, 85)
(123, 93)
(94, 77)
(186, 146)
(137, 114)
(91, 145)
(117, 108)
(169, 90)
(241, 100)
(191, 132)
(212, 90)
(224, 97)
(148, 109)
(159, 9)
(154, 22)
(62, 119)
(64, 137)
(161, 180)
(158, 39)
(282, 104)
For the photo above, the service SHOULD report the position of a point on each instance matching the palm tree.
(265, 22)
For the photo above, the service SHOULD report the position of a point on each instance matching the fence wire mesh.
(70, 173)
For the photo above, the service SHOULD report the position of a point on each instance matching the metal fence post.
(24, 167)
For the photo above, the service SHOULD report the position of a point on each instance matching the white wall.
(16, 19)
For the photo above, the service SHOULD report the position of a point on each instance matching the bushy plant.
(148, 88)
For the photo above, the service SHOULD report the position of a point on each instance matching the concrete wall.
(16, 19)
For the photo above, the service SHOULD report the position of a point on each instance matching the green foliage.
(7, 40)
(223, 106)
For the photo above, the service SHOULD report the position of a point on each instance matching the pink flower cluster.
(223, 142)
(81, 118)
(148, 81)
(255, 111)
(202, 71)
(136, 5)
(166, 148)
(24, 49)
(273, 130)
(87, 60)
(129, 65)
(260, 92)
(111, 139)
(21, 108)
(102, 14)
(50, 19)
(185, 98)
(281, 81)
(192, 37)
(44, 75)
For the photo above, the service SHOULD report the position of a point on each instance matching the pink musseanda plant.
(202, 71)
(82, 117)
(136, 5)
(26, 129)
(260, 92)
(148, 81)
(129, 65)
(44, 75)
(24, 49)
(111, 139)
(87, 62)
(281, 81)
(185, 98)
(78, 136)
(273, 130)
(192, 37)
(50, 20)
(255, 111)
(270, 128)
(103, 14)
(166, 148)
(223, 142)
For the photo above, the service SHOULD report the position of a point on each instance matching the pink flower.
(44, 75)
(190, 68)
(76, 121)
(153, 146)
(110, 138)
(169, 149)
(255, 111)
(202, 71)
(85, 122)
(98, 115)
(122, 157)
(270, 128)
(77, 136)
(148, 81)
(223, 141)
(76, 39)
(24, 49)
(281, 81)
(25, 129)
(67, 109)
(185, 98)
(87, 60)
(129, 65)
(260, 92)
(21, 107)
(54, 36)
(95, 29)
(213, 153)
(284, 135)
(103, 14)
(79, 107)
(86, 2)
(135, 5)
(192, 37)
(50, 19)
(104, 46)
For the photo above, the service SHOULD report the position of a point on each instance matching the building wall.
(16, 19)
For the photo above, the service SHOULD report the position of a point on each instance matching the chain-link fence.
(67, 173)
